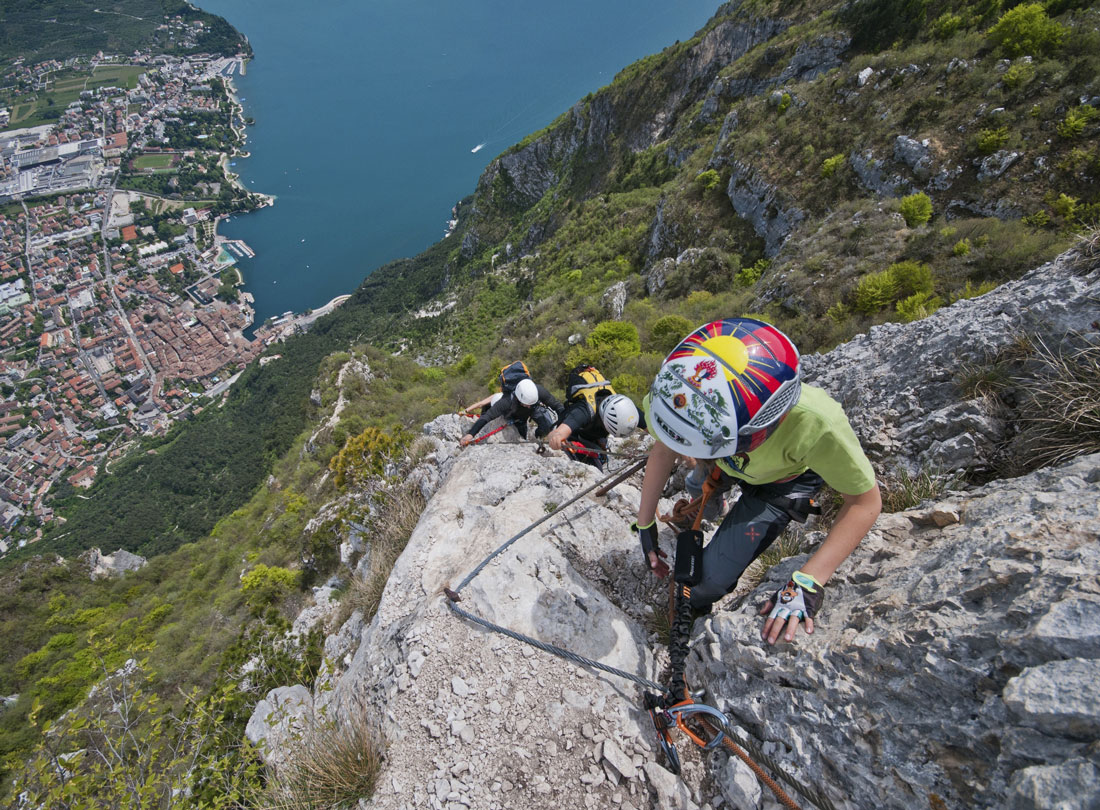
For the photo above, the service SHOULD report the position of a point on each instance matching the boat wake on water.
(479, 147)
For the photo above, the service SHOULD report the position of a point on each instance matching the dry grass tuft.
(337, 764)
(1060, 416)
(903, 490)
(392, 525)
(1086, 253)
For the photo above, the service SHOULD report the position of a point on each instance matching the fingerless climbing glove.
(648, 537)
(802, 597)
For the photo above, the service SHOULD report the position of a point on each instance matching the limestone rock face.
(899, 384)
(279, 723)
(479, 714)
(111, 565)
(761, 204)
(938, 666)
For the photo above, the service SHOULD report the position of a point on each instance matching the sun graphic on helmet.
(679, 401)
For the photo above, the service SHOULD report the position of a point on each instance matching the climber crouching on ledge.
(731, 391)
(527, 400)
(593, 412)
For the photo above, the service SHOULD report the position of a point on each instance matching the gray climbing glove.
(801, 596)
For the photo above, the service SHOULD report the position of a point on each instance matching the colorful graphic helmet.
(724, 389)
(619, 415)
(527, 392)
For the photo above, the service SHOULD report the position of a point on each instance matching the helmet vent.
(778, 404)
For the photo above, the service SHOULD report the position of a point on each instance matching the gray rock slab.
(1061, 698)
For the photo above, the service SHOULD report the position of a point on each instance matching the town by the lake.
(120, 307)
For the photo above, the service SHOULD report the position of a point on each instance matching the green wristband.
(806, 581)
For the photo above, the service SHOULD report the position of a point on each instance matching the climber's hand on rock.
(799, 600)
(657, 563)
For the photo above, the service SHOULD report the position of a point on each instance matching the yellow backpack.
(582, 385)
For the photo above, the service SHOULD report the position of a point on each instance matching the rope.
(558, 651)
(470, 577)
(490, 433)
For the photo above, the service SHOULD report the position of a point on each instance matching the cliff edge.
(956, 662)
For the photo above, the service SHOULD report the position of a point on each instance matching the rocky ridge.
(955, 663)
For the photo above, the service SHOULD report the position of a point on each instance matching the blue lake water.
(367, 111)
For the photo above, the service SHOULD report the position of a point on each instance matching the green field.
(153, 161)
(64, 87)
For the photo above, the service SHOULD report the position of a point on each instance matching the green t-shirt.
(815, 435)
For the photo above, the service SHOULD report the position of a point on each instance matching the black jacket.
(515, 411)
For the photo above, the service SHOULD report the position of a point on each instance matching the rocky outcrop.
(103, 566)
(762, 205)
(900, 383)
(873, 175)
(954, 666)
(478, 718)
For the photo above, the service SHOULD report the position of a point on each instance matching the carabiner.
(689, 708)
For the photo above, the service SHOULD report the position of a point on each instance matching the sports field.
(153, 161)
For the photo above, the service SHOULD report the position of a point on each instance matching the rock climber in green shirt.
(732, 392)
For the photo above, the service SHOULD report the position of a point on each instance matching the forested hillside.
(38, 30)
(783, 162)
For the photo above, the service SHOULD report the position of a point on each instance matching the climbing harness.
(670, 708)
(674, 708)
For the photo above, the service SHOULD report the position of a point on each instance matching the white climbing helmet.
(619, 415)
(527, 392)
(724, 389)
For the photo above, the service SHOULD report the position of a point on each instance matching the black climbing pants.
(758, 517)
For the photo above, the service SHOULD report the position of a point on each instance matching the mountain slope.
(752, 168)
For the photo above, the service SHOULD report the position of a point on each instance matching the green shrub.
(464, 365)
(917, 306)
(990, 140)
(970, 291)
(838, 312)
(747, 276)
(544, 359)
(962, 247)
(606, 347)
(708, 180)
(668, 331)
(875, 291)
(916, 208)
(784, 103)
(634, 386)
(946, 25)
(906, 279)
(1026, 30)
(1018, 75)
(1040, 219)
(1064, 206)
(618, 336)
(265, 584)
(1073, 125)
(830, 166)
(912, 277)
